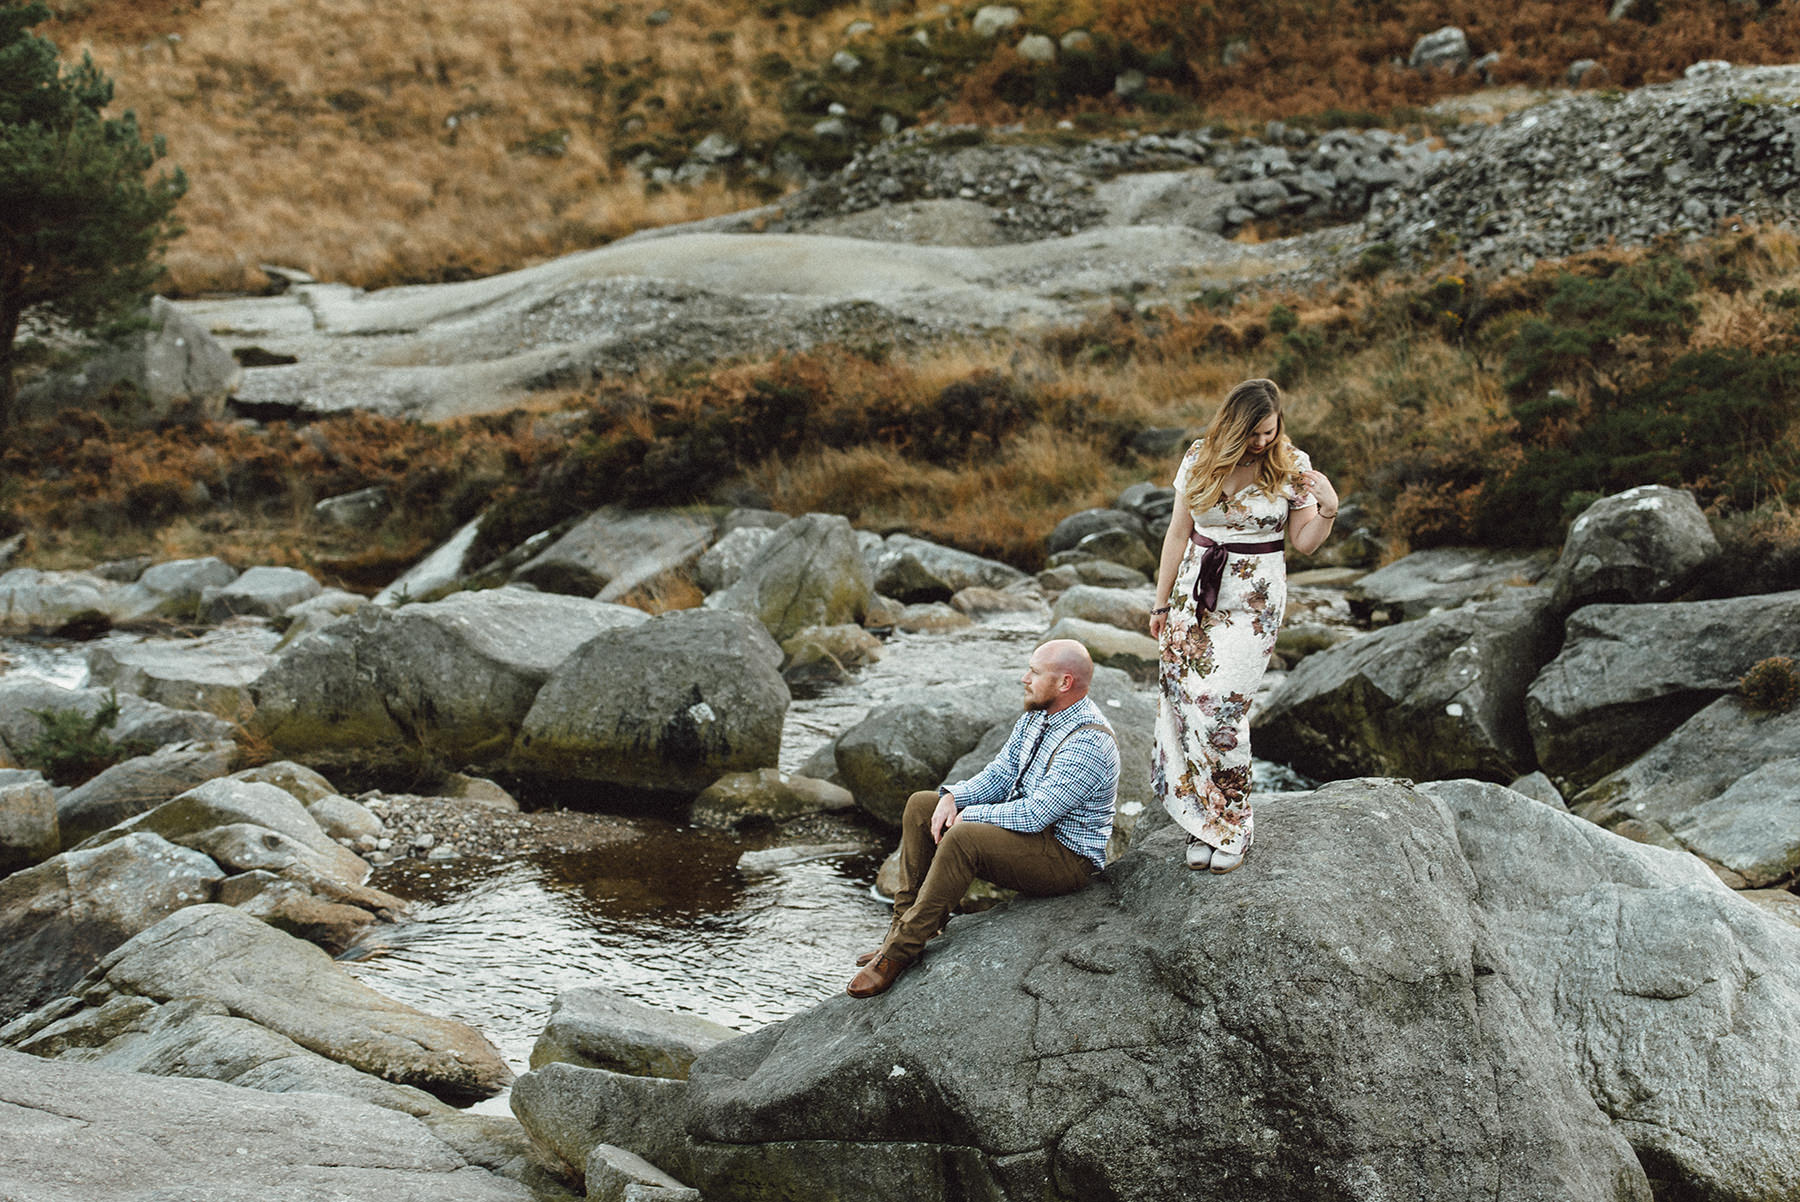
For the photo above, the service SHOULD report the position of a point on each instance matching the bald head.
(1058, 676)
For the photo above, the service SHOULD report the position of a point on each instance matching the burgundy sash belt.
(1212, 566)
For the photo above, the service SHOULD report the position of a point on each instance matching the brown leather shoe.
(877, 976)
(866, 957)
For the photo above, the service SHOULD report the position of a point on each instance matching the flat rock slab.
(212, 673)
(292, 988)
(597, 1028)
(73, 1133)
(1629, 674)
(1446, 577)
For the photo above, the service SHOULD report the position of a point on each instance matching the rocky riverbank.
(175, 926)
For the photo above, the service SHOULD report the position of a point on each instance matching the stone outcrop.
(1718, 784)
(59, 918)
(1442, 696)
(139, 784)
(1671, 985)
(909, 743)
(668, 706)
(119, 1136)
(1644, 544)
(913, 569)
(764, 798)
(449, 680)
(1128, 609)
(28, 830)
(597, 1028)
(1114, 1050)
(214, 673)
(610, 543)
(139, 721)
(1629, 674)
(723, 562)
(172, 367)
(810, 572)
(264, 592)
(1444, 578)
(218, 954)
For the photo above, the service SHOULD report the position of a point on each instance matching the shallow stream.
(673, 916)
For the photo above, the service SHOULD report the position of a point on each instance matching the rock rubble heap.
(1587, 169)
(1043, 191)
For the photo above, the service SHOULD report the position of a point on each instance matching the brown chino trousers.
(934, 876)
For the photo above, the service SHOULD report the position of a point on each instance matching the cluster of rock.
(1385, 1000)
(194, 942)
(1038, 191)
(1588, 169)
(1588, 673)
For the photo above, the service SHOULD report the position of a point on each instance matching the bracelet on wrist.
(1161, 609)
(1328, 516)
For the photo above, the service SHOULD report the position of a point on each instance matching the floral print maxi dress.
(1211, 663)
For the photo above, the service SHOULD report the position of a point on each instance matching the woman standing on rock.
(1221, 591)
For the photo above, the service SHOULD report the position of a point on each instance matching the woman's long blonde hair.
(1246, 407)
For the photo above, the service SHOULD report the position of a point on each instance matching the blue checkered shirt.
(1073, 800)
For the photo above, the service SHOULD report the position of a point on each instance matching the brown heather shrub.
(1772, 684)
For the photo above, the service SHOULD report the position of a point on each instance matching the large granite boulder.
(28, 830)
(597, 1028)
(174, 588)
(1442, 696)
(1629, 674)
(448, 680)
(102, 1134)
(910, 742)
(59, 918)
(1644, 544)
(1718, 784)
(1126, 608)
(214, 673)
(218, 954)
(809, 572)
(1444, 578)
(610, 543)
(1071, 530)
(31, 599)
(1332, 1020)
(23, 698)
(724, 562)
(667, 707)
(171, 366)
(138, 784)
(1675, 1001)
(246, 826)
(1111, 646)
(912, 569)
(767, 797)
(265, 592)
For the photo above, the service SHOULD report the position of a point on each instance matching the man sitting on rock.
(1036, 819)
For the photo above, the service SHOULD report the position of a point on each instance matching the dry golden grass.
(381, 143)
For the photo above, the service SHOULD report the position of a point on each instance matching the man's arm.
(993, 782)
(1086, 768)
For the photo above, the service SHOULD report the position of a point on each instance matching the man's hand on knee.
(944, 817)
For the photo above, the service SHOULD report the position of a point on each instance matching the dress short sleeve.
(1187, 466)
(1296, 496)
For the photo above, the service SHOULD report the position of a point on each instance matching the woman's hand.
(1157, 622)
(1316, 483)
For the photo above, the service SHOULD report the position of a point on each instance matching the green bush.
(74, 747)
(1585, 319)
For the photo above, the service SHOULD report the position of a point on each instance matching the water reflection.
(666, 918)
